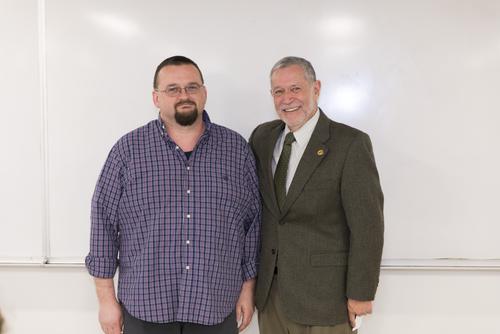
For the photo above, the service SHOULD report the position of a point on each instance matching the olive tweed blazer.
(327, 241)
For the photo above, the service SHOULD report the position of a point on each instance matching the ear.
(204, 95)
(317, 88)
(155, 99)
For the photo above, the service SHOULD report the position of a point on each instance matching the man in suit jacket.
(322, 222)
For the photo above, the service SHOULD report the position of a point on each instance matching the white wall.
(61, 301)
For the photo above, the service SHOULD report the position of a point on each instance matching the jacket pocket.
(329, 259)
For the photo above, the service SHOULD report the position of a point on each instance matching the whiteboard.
(420, 77)
(21, 170)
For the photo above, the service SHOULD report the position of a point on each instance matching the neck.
(186, 137)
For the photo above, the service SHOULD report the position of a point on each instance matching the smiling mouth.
(290, 109)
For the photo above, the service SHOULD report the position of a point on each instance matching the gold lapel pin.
(320, 152)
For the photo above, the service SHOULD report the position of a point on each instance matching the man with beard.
(322, 218)
(177, 209)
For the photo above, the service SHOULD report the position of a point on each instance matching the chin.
(292, 120)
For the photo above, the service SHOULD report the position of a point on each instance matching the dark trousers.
(133, 325)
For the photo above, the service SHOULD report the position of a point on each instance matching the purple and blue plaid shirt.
(186, 231)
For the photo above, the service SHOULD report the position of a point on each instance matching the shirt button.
(188, 216)
(188, 242)
(189, 191)
(188, 168)
(176, 147)
(187, 267)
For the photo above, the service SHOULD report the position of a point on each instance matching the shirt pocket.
(228, 192)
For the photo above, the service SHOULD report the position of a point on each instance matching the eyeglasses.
(278, 92)
(174, 90)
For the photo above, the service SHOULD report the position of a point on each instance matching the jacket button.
(273, 251)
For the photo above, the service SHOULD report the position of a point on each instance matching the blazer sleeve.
(363, 200)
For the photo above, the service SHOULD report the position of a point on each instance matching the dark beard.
(186, 119)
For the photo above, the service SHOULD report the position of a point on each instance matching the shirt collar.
(303, 134)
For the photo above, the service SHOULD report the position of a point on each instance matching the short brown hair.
(175, 60)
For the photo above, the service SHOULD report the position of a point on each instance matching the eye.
(173, 90)
(295, 89)
(192, 89)
(278, 92)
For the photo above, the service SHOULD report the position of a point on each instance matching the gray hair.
(289, 61)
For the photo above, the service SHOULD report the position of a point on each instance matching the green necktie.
(281, 170)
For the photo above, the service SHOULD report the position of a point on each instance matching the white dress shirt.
(302, 137)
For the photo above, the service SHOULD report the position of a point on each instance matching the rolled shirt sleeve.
(253, 221)
(102, 259)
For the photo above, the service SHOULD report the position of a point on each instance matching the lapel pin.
(320, 152)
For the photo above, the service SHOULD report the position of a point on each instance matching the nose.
(183, 93)
(287, 97)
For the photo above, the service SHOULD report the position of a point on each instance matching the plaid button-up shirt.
(184, 232)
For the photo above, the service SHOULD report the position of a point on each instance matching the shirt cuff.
(249, 270)
(101, 267)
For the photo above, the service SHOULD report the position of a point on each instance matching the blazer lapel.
(268, 193)
(313, 155)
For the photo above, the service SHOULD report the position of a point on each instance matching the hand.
(110, 317)
(245, 305)
(358, 307)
